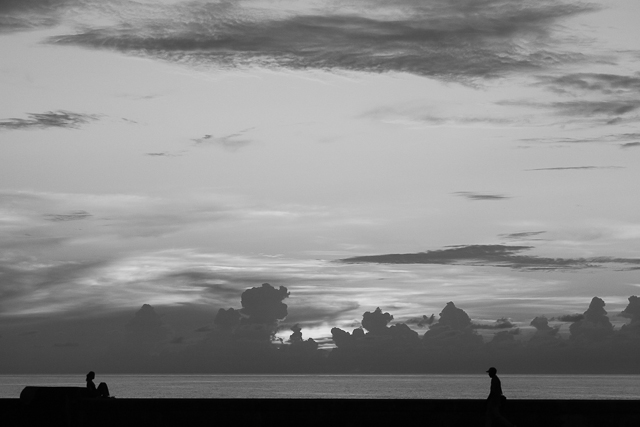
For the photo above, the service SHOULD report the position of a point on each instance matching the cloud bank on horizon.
(244, 340)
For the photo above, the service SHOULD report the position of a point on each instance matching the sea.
(601, 387)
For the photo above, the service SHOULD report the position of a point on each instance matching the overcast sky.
(399, 154)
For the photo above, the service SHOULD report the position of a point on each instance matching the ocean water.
(342, 386)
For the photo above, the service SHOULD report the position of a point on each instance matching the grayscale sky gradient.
(398, 154)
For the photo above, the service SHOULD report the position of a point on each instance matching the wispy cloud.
(462, 39)
(593, 82)
(525, 235)
(17, 15)
(480, 196)
(72, 216)
(50, 119)
(497, 256)
(231, 142)
(163, 154)
(630, 145)
(612, 138)
(601, 111)
(561, 168)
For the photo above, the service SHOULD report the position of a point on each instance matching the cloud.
(376, 322)
(502, 323)
(422, 321)
(462, 39)
(163, 154)
(227, 319)
(480, 196)
(264, 304)
(524, 235)
(570, 318)
(146, 325)
(630, 145)
(231, 142)
(50, 119)
(17, 15)
(72, 216)
(593, 82)
(453, 330)
(493, 255)
(541, 324)
(598, 111)
(595, 108)
(435, 116)
(589, 140)
(576, 168)
(632, 311)
(146, 344)
(595, 325)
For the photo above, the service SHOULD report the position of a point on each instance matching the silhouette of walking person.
(494, 401)
(101, 391)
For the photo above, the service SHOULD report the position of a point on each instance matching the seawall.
(313, 412)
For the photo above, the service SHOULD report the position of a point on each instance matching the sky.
(158, 159)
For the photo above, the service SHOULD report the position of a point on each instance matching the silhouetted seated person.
(494, 401)
(101, 391)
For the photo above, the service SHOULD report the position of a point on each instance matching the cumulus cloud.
(454, 329)
(264, 304)
(503, 338)
(376, 322)
(227, 319)
(50, 119)
(453, 317)
(632, 310)
(480, 196)
(545, 334)
(541, 324)
(595, 325)
(450, 345)
(146, 326)
(493, 255)
(257, 321)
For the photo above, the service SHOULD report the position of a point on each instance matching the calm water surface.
(343, 386)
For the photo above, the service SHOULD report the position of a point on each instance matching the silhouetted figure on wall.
(101, 391)
(494, 401)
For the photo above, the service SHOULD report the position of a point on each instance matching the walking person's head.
(492, 371)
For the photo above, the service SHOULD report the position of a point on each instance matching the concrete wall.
(311, 413)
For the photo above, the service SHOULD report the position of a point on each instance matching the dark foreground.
(68, 407)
